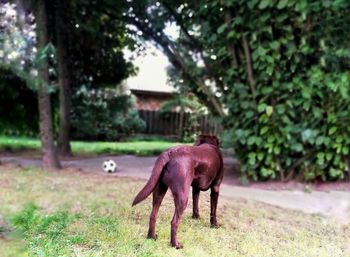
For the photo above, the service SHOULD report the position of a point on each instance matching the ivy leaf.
(329, 156)
(252, 158)
(232, 34)
(275, 45)
(261, 107)
(298, 147)
(260, 156)
(251, 3)
(277, 150)
(281, 4)
(308, 135)
(264, 130)
(249, 114)
(320, 158)
(251, 140)
(281, 109)
(332, 130)
(269, 110)
(319, 140)
(264, 3)
(306, 92)
(222, 28)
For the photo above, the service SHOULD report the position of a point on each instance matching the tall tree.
(50, 158)
(61, 31)
(183, 53)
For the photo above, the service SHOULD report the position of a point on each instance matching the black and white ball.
(109, 166)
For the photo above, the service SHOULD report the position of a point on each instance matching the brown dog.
(179, 168)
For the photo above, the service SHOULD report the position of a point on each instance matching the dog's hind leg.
(158, 195)
(181, 200)
(214, 195)
(195, 197)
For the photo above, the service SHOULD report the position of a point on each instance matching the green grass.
(140, 148)
(71, 213)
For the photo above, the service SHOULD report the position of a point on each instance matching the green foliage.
(296, 120)
(18, 52)
(281, 68)
(94, 58)
(22, 119)
(97, 35)
(104, 114)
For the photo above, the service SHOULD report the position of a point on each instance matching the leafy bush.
(18, 106)
(104, 114)
(290, 115)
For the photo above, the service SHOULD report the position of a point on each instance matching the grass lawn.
(71, 213)
(140, 148)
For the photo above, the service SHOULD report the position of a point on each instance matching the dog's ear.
(209, 139)
(200, 140)
(216, 140)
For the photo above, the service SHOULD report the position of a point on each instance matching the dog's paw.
(177, 245)
(214, 225)
(152, 236)
(213, 222)
(196, 216)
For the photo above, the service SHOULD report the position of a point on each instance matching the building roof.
(151, 92)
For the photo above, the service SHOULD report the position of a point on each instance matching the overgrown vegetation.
(72, 213)
(290, 116)
(105, 114)
(22, 101)
(276, 70)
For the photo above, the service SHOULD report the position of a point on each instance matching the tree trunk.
(63, 81)
(50, 158)
(230, 46)
(181, 125)
(249, 66)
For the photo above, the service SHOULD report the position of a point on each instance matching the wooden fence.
(168, 123)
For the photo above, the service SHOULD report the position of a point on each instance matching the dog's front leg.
(195, 196)
(214, 195)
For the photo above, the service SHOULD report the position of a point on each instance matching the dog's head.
(207, 139)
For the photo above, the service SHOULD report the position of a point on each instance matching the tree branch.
(231, 47)
(249, 66)
(176, 59)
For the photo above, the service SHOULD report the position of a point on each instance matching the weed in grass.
(44, 234)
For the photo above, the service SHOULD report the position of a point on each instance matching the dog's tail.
(153, 180)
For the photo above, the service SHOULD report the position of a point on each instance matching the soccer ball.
(109, 166)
